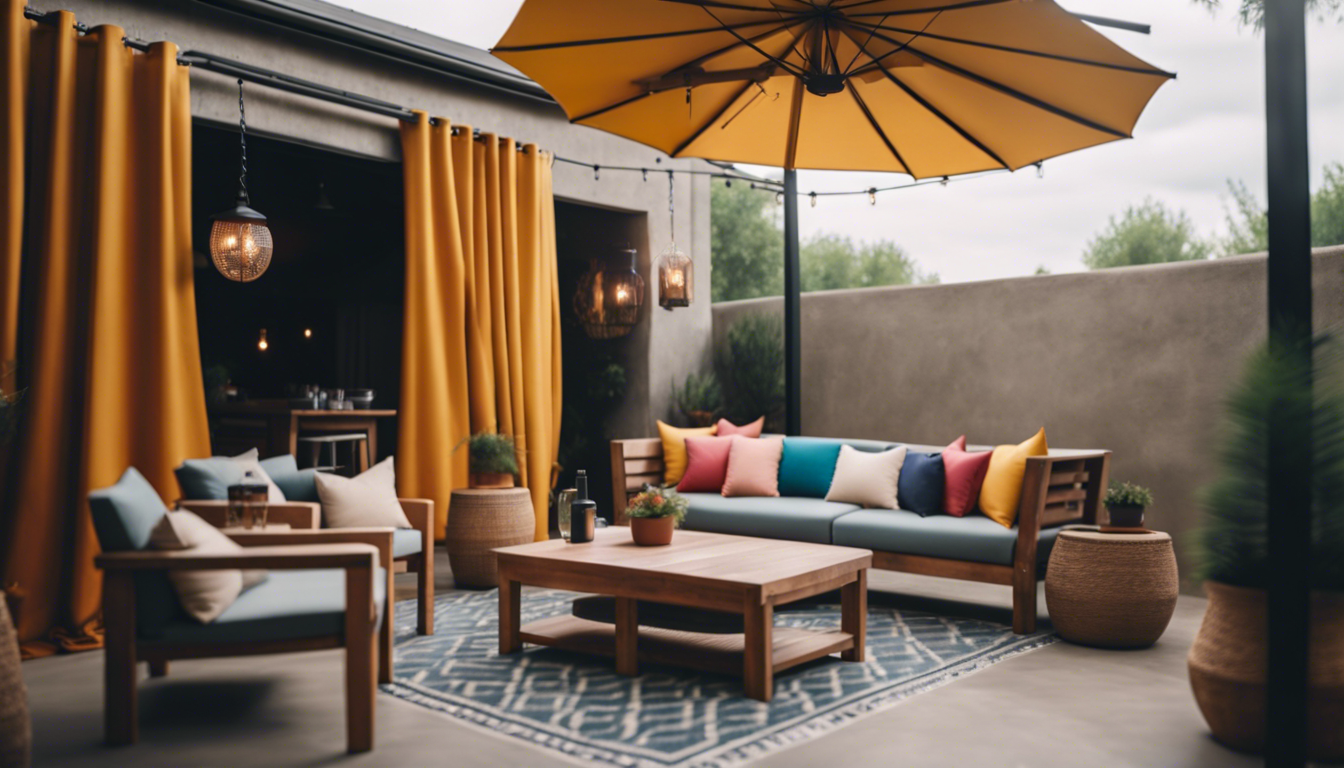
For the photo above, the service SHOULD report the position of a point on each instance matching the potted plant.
(654, 514)
(1227, 661)
(1125, 503)
(492, 460)
(699, 400)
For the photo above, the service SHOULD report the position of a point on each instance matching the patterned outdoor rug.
(577, 706)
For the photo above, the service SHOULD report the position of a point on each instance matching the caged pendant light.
(609, 295)
(676, 271)
(240, 241)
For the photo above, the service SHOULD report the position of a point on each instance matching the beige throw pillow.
(204, 594)
(366, 500)
(866, 478)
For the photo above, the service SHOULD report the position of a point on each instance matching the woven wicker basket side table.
(1112, 590)
(480, 520)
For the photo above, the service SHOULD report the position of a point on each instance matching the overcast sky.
(1200, 130)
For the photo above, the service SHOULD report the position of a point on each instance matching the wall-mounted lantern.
(610, 295)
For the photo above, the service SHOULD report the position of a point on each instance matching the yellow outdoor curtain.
(107, 339)
(481, 350)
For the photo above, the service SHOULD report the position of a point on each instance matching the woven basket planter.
(15, 726)
(481, 520)
(1227, 670)
(1111, 590)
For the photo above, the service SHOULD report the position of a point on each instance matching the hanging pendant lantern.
(676, 271)
(609, 296)
(240, 241)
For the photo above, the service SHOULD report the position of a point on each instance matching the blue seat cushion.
(975, 537)
(807, 465)
(123, 517)
(290, 605)
(405, 541)
(772, 517)
(920, 487)
(297, 484)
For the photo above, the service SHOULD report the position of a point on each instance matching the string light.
(872, 195)
(307, 333)
(645, 171)
(813, 195)
(597, 173)
(779, 198)
(1040, 169)
(944, 181)
(262, 344)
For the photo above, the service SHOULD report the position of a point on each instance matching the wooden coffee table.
(713, 571)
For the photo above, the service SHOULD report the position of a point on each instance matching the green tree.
(829, 262)
(1248, 221)
(1149, 233)
(1327, 208)
(1251, 13)
(747, 246)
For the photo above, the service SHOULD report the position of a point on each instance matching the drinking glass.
(563, 500)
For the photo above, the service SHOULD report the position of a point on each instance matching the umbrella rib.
(700, 131)
(729, 6)
(730, 28)
(854, 92)
(916, 11)
(1008, 91)
(1010, 49)
(715, 54)
(609, 107)
(732, 31)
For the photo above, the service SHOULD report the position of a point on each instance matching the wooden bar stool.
(359, 450)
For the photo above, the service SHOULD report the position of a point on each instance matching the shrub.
(751, 366)
(699, 400)
(492, 453)
(1128, 495)
(658, 502)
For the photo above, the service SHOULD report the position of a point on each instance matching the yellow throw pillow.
(674, 449)
(1002, 491)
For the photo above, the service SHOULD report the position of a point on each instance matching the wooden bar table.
(283, 424)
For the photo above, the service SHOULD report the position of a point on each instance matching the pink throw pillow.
(753, 467)
(706, 464)
(964, 473)
(728, 428)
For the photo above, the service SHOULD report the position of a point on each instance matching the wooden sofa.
(1062, 488)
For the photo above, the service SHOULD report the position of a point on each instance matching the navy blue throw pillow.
(920, 489)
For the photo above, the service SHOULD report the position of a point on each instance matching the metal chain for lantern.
(240, 241)
(676, 271)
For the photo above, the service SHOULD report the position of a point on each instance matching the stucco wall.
(673, 343)
(1135, 360)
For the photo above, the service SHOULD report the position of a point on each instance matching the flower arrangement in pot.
(1125, 503)
(492, 460)
(1227, 662)
(653, 514)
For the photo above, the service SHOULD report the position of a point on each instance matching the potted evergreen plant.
(699, 400)
(654, 514)
(1227, 661)
(492, 460)
(1125, 503)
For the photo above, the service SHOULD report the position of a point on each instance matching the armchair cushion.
(406, 541)
(290, 605)
(297, 484)
(210, 478)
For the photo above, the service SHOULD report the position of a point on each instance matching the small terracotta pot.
(652, 531)
(1125, 515)
(490, 480)
(1227, 670)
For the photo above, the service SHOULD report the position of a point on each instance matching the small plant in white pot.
(654, 514)
(1126, 503)
(1228, 660)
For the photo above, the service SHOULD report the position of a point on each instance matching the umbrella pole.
(793, 399)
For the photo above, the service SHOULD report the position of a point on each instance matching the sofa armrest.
(297, 514)
(275, 558)
(420, 512)
(1063, 487)
(633, 463)
(379, 538)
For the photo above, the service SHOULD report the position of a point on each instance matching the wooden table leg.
(510, 615)
(854, 614)
(627, 636)
(758, 676)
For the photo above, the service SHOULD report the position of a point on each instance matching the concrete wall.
(1135, 360)
(673, 343)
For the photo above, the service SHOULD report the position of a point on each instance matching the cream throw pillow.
(204, 594)
(366, 500)
(866, 478)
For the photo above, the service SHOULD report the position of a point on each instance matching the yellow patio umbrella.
(922, 87)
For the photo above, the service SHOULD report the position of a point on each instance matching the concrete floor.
(1063, 705)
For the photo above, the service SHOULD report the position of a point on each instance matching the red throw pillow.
(706, 464)
(728, 428)
(963, 473)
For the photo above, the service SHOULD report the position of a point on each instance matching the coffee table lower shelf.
(696, 650)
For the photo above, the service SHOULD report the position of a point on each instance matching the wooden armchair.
(332, 594)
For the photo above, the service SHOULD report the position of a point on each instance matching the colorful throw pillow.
(753, 467)
(807, 466)
(868, 479)
(706, 464)
(674, 449)
(963, 474)
(728, 429)
(368, 499)
(203, 594)
(920, 489)
(1002, 490)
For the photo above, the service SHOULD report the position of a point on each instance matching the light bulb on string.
(1040, 169)
(597, 173)
(307, 333)
(262, 344)
(944, 181)
(872, 196)
(779, 198)
(813, 195)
